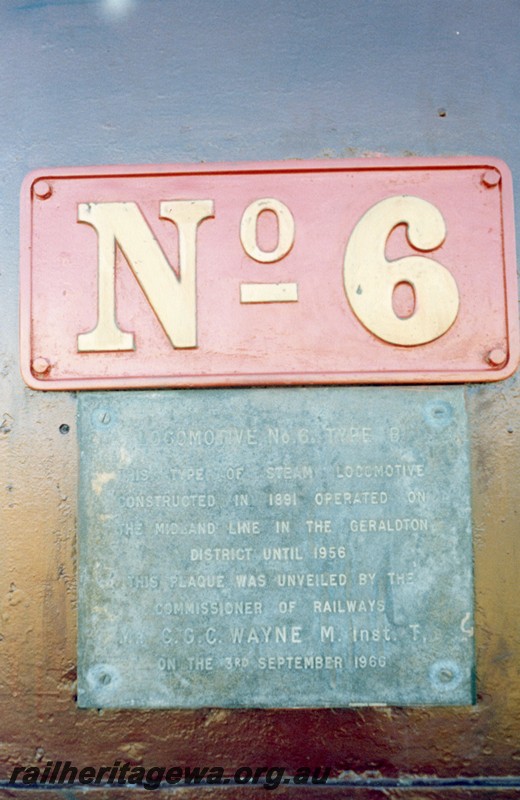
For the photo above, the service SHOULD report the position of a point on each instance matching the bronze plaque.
(275, 548)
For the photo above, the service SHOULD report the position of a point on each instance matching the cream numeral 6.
(370, 279)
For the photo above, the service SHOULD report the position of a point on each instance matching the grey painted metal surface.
(275, 547)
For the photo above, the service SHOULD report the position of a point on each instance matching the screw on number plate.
(42, 189)
(40, 366)
(496, 357)
(491, 177)
(104, 417)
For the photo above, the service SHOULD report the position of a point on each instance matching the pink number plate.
(307, 272)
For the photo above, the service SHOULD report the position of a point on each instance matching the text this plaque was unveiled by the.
(275, 548)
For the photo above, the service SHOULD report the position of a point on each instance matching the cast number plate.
(277, 273)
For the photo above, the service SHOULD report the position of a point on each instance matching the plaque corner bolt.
(40, 365)
(42, 190)
(102, 416)
(491, 178)
(496, 357)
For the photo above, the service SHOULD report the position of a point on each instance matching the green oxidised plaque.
(275, 548)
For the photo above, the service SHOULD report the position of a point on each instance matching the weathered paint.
(165, 82)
